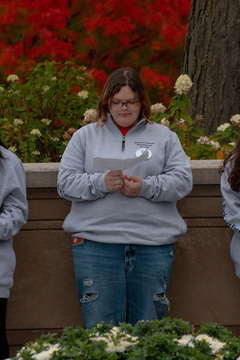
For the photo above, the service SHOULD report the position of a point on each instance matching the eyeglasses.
(132, 104)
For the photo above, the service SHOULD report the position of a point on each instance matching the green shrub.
(196, 144)
(35, 115)
(168, 339)
(39, 116)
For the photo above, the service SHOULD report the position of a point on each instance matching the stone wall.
(203, 284)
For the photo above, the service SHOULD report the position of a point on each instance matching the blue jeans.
(122, 283)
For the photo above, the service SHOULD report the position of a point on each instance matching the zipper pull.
(123, 143)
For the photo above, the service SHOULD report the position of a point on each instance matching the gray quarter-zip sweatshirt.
(96, 214)
(231, 215)
(13, 214)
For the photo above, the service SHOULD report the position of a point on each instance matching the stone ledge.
(44, 175)
(205, 171)
(41, 175)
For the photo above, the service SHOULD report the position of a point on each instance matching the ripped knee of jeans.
(88, 296)
(162, 299)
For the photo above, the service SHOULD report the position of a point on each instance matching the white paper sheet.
(118, 164)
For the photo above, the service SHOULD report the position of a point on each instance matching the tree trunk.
(212, 60)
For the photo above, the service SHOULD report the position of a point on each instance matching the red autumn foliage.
(102, 35)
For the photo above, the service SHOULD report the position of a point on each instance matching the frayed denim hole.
(162, 299)
(89, 297)
(87, 282)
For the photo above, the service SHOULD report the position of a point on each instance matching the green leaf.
(185, 115)
(21, 109)
(198, 132)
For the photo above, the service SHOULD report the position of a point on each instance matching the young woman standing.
(13, 215)
(230, 188)
(124, 223)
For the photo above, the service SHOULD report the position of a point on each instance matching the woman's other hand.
(131, 185)
(114, 179)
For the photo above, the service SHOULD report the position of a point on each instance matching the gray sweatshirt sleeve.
(231, 203)
(14, 209)
(74, 183)
(175, 182)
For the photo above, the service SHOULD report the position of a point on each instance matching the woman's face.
(124, 107)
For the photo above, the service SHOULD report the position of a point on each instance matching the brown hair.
(118, 79)
(234, 175)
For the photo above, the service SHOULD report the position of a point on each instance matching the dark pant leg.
(148, 271)
(4, 350)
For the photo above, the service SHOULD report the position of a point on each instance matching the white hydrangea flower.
(223, 127)
(36, 132)
(83, 94)
(17, 122)
(180, 121)
(55, 138)
(232, 143)
(215, 145)
(54, 78)
(158, 107)
(90, 115)
(183, 84)
(203, 140)
(235, 119)
(46, 88)
(46, 121)
(12, 77)
(35, 153)
(1, 89)
(12, 149)
(165, 122)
